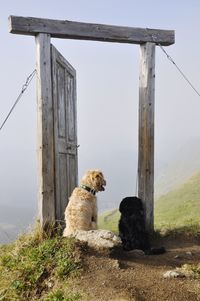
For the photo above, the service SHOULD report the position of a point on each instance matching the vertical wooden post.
(45, 138)
(146, 131)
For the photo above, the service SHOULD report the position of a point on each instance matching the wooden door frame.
(43, 30)
(45, 136)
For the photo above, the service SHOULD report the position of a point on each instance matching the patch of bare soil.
(125, 276)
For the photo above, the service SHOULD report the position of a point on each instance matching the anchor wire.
(24, 87)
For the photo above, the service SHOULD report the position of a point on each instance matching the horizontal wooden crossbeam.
(89, 31)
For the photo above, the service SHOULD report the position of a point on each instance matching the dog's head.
(131, 205)
(94, 179)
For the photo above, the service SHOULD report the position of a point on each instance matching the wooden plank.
(86, 31)
(146, 131)
(46, 193)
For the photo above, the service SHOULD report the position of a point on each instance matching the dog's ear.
(94, 177)
(123, 205)
(98, 174)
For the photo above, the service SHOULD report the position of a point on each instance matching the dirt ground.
(125, 276)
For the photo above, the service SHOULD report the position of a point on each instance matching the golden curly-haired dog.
(81, 211)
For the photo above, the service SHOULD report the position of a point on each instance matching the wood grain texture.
(87, 31)
(146, 131)
(45, 145)
(65, 130)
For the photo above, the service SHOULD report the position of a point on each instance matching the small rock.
(173, 274)
(164, 232)
(177, 257)
(115, 264)
(50, 284)
(189, 253)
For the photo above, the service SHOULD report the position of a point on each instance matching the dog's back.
(132, 227)
(132, 224)
(79, 212)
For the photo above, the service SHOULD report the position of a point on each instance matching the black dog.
(132, 227)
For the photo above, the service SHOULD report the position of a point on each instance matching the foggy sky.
(107, 91)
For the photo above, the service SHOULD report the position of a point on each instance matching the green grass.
(178, 210)
(195, 269)
(36, 267)
(39, 265)
(109, 221)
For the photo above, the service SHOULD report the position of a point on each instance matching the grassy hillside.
(177, 209)
(41, 267)
(109, 220)
(181, 167)
(180, 207)
(38, 267)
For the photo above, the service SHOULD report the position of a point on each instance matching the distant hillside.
(109, 220)
(180, 168)
(120, 177)
(180, 207)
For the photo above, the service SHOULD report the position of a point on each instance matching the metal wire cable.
(181, 72)
(173, 62)
(24, 87)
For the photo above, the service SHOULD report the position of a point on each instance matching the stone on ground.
(98, 239)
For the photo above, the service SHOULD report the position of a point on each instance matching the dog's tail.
(155, 251)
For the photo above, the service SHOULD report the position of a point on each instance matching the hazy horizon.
(107, 92)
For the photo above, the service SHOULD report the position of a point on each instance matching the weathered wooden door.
(65, 130)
